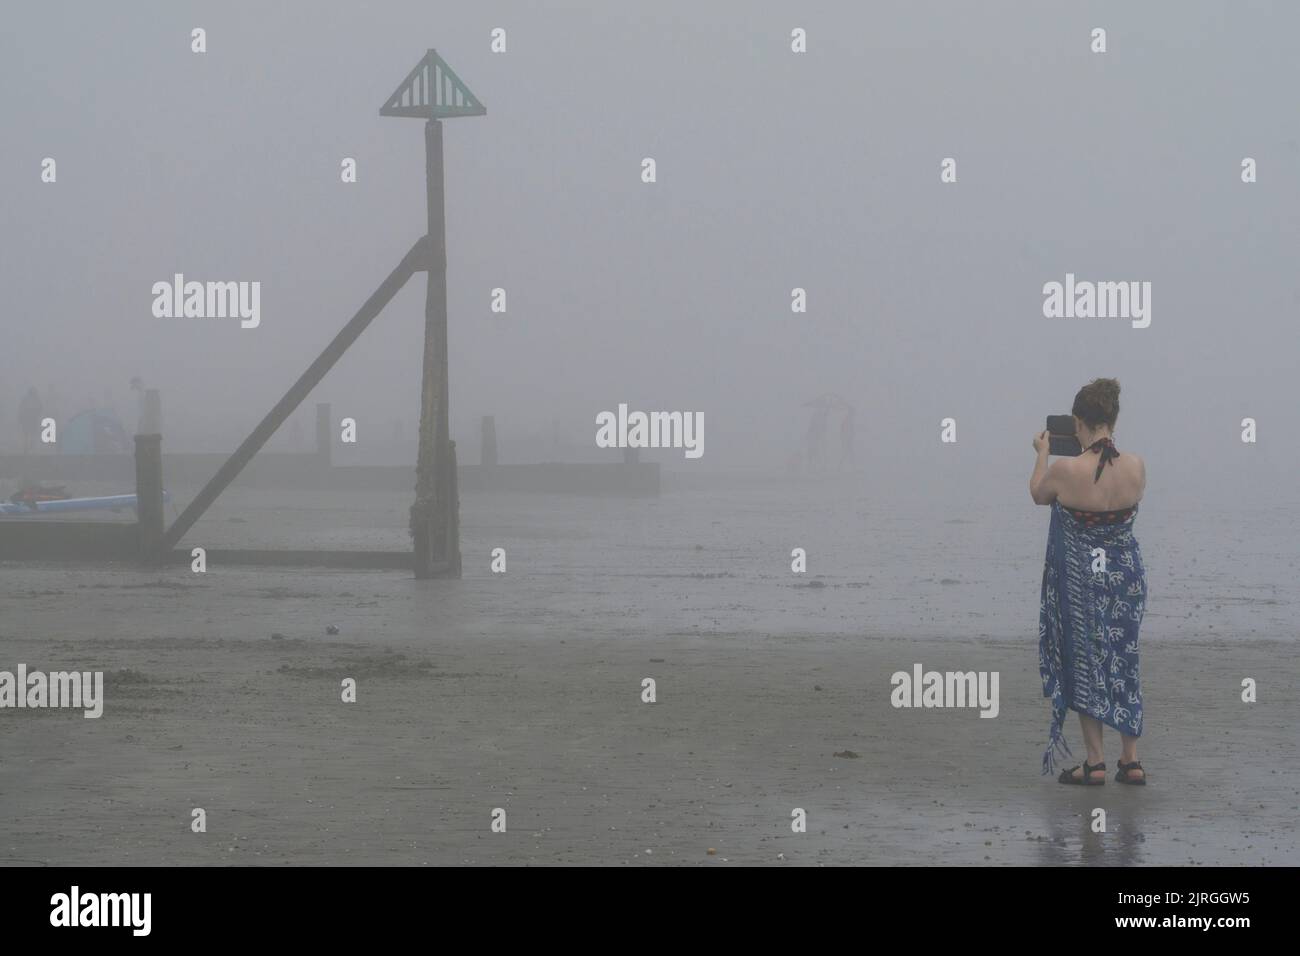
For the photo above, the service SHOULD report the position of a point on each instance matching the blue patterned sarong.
(1088, 624)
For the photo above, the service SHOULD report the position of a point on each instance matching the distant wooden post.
(149, 494)
(324, 432)
(452, 546)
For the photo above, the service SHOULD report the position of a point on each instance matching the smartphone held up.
(1062, 439)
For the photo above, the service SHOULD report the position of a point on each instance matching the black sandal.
(1123, 775)
(1067, 776)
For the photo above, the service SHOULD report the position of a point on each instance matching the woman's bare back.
(1120, 486)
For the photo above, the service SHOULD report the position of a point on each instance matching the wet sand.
(467, 702)
(523, 691)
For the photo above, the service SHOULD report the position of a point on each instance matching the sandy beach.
(523, 692)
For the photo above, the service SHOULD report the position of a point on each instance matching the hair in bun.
(1097, 403)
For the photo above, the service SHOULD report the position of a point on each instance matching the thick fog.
(775, 170)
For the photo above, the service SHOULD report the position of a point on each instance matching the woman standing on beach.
(1094, 588)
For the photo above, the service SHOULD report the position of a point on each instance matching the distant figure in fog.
(846, 436)
(818, 425)
(53, 405)
(30, 413)
(817, 438)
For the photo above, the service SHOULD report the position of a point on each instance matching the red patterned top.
(1091, 519)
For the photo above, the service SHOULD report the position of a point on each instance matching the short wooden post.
(149, 495)
(452, 548)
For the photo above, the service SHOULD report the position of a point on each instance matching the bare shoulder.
(1067, 476)
(1136, 468)
(1066, 467)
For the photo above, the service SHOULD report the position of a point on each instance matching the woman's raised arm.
(1041, 486)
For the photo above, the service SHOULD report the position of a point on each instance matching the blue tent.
(93, 432)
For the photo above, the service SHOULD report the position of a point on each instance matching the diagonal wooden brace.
(416, 260)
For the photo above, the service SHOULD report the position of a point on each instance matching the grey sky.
(775, 170)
